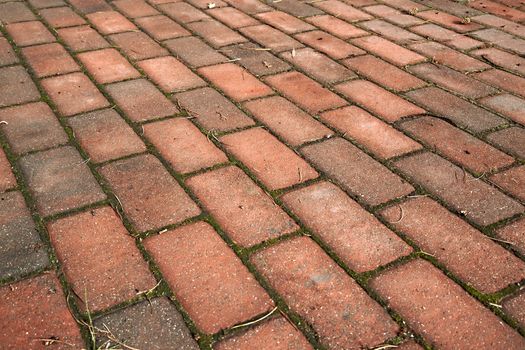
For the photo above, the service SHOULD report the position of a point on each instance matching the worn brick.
(74, 93)
(270, 38)
(7, 179)
(406, 5)
(466, 252)
(211, 110)
(387, 50)
(140, 100)
(503, 24)
(46, 3)
(318, 65)
(59, 180)
(511, 140)
(512, 181)
(170, 74)
(12, 12)
(286, 120)
(161, 27)
(49, 59)
(256, 61)
(449, 37)
(383, 73)
(7, 54)
(149, 195)
(456, 8)
(203, 4)
(449, 21)
(515, 234)
(378, 137)
(335, 26)
(31, 127)
(232, 17)
(216, 33)
(328, 44)
(235, 81)
(378, 100)
(153, 324)
(21, 250)
(137, 45)
(16, 86)
(271, 161)
(457, 145)
(358, 173)
(183, 12)
(276, 334)
(104, 135)
(392, 15)
(316, 288)
(355, 235)
(297, 8)
(501, 39)
(90, 6)
(135, 8)
(392, 32)
(249, 6)
(305, 92)
(183, 145)
(502, 80)
(502, 59)
(418, 292)
(59, 17)
(476, 200)
(342, 10)
(455, 109)
(285, 22)
(247, 214)
(108, 66)
(498, 10)
(508, 105)
(215, 296)
(45, 315)
(194, 51)
(82, 38)
(515, 306)
(110, 22)
(444, 55)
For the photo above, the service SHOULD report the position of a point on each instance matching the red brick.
(276, 334)
(110, 22)
(409, 345)
(99, 280)
(378, 137)
(515, 307)
(59, 17)
(502, 80)
(392, 15)
(7, 179)
(59, 180)
(501, 39)
(459, 111)
(318, 65)
(510, 106)
(216, 33)
(161, 27)
(457, 145)
(141, 100)
(449, 21)
(46, 3)
(31, 127)
(211, 110)
(342, 10)
(463, 250)
(498, 10)
(90, 6)
(194, 51)
(270, 38)
(149, 195)
(216, 296)
(357, 172)
(82, 38)
(511, 140)
(249, 6)
(11, 12)
(16, 86)
(456, 8)
(271, 161)
(203, 4)
(502, 59)
(305, 92)
(503, 24)
(405, 5)
(472, 198)
(297, 8)
(232, 17)
(336, 27)
(446, 36)
(330, 45)
(7, 54)
(74, 93)
(418, 292)
(441, 54)
(355, 235)
(183, 145)
(183, 12)
(320, 291)
(385, 104)
(170, 74)
(104, 135)
(49, 59)
(135, 8)
(45, 316)
(256, 61)
(512, 181)
(383, 73)
(247, 214)
(515, 234)
(137, 45)
(285, 22)
(235, 81)
(387, 50)
(392, 32)
(286, 120)
(108, 66)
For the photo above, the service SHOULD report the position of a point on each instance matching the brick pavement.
(262, 174)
